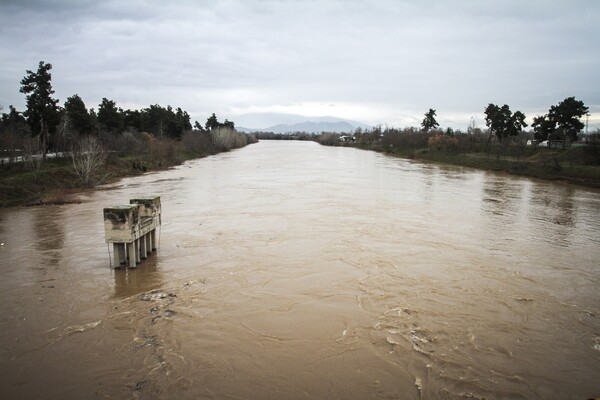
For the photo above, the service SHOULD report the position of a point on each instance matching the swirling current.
(288, 270)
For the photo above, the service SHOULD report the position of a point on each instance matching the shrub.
(443, 142)
(198, 142)
(165, 152)
(88, 157)
(33, 149)
(226, 138)
(328, 139)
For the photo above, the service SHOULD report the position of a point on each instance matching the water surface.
(291, 270)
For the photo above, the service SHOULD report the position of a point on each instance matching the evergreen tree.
(543, 128)
(78, 118)
(563, 121)
(109, 116)
(132, 119)
(503, 122)
(567, 115)
(154, 120)
(429, 121)
(212, 122)
(13, 120)
(198, 126)
(42, 110)
(184, 119)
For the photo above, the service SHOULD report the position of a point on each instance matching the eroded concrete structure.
(131, 229)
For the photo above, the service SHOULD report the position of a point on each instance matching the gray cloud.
(375, 61)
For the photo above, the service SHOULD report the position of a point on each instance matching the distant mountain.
(309, 125)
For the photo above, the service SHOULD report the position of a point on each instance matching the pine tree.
(42, 110)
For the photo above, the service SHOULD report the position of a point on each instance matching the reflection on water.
(554, 211)
(291, 270)
(49, 234)
(131, 282)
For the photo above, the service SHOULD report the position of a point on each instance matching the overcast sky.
(378, 62)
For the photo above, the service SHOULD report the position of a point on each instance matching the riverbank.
(57, 183)
(576, 165)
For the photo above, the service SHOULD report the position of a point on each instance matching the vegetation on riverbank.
(552, 151)
(48, 152)
(577, 163)
(56, 180)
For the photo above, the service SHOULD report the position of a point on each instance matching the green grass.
(56, 182)
(576, 165)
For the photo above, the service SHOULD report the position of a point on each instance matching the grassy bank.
(577, 165)
(56, 182)
(549, 165)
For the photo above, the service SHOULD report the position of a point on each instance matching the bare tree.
(33, 151)
(88, 157)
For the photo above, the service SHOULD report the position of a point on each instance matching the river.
(289, 270)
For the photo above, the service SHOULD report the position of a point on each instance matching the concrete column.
(153, 233)
(143, 248)
(117, 254)
(137, 250)
(149, 242)
(123, 253)
(131, 251)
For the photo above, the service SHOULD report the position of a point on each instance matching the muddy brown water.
(287, 270)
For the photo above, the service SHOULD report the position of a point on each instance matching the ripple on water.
(303, 271)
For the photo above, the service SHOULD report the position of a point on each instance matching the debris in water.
(139, 386)
(165, 314)
(523, 299)
(419, 386)
(596, 344)
(193, 281)
(392, 341)
(155, 295)
(418, 336)
(80, 328)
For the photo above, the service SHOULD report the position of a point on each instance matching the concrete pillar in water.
(132, 256)
(121, 226)
(116, 257)
(150, 216)
(119, 254)
(132, 229)
(149, 242)
(143, 248)
(123, 255)
(137, 250)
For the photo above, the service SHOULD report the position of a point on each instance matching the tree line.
(563, 121)
(57, 127)
(155, 135)
(505, 135)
